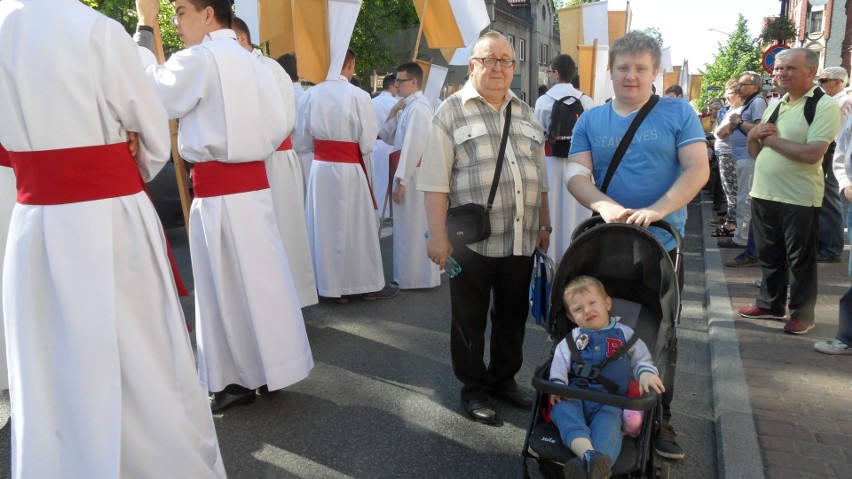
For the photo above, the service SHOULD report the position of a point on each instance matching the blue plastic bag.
(540, 285)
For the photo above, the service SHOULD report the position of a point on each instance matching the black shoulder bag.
(470, 223)
(625, 141)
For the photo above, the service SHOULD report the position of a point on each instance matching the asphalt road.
(382, 401)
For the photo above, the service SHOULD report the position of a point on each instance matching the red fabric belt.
(215, 178)
(4, 158)
(343, 152)
(547, 151)
(74, 175)
(286, 145)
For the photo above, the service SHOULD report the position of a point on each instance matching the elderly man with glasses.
(458, 168)
(748, 88)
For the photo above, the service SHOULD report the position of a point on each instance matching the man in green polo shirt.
(787, 192)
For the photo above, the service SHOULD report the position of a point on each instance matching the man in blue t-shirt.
(663, 169)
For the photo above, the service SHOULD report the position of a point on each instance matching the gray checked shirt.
(461, 156)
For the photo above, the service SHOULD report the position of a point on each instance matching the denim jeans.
(751, 248)
(597, 422)
(844, 328)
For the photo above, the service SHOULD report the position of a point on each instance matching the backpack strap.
(809, 110)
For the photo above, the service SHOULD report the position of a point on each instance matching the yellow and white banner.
(452, 23)
(317, 31)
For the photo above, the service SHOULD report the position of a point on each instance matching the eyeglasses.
(174, 20)
(746, 84)
(402, 80)
(492, 62)
(826, 80)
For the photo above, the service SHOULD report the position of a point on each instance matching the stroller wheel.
(521, 470)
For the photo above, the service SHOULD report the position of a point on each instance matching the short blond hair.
(581, 284)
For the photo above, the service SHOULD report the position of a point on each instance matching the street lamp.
(716, 30)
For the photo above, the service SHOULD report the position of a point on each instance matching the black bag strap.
(625, 141)
(500, 156)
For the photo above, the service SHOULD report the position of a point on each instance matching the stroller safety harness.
(587, 373)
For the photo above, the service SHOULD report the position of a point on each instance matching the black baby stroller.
(642, 280)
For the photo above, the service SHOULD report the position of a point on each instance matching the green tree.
(124, 12)
(377, 22)
(654, 33)
(741, 53)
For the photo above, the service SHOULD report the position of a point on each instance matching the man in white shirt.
(250, 328)
(833, 81)
(337, 122)
(289, 63)
(565, 211)
(406, 129)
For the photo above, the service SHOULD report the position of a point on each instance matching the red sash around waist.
(215, 178)
(547, 151)
(286, 145)
(343, 152)
(4, 158)
(74, 175)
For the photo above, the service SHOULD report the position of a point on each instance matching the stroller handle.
(598, 220)
(644, 403)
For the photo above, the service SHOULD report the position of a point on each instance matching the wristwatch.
(546, 228)
(146, 28)
(740, 122)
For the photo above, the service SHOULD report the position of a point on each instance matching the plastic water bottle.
(452, 268)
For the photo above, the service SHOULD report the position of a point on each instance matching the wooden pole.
(180, 164)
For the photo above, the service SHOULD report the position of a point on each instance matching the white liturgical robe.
(340, 207)
(7, 202)
(288, 196)
(412, 268)
(565, 211)
(102, 376)
(250, 328)
(382, 104)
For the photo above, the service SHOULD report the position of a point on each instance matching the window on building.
(815, 22)
(511, 39)
(542, 54)
(522, 49)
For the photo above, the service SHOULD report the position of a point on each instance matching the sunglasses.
(826, 80)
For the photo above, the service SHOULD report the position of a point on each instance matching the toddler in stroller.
(641, 277)
(594, 358)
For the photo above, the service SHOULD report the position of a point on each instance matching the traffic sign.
(769, 56)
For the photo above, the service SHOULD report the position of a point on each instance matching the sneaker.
(598, 465)
(824, 258)
(796, 326)
(389, 291)
(754, 312)
(666, 445)
(833, 346)
(729, 243)
(717, 222)
(742, 260)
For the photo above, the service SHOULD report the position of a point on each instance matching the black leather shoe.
(480, 410)
(227, 399)
(515, 396)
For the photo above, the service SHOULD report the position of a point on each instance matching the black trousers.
(471, 297)
(786, 237)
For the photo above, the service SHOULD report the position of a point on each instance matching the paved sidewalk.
(801, 400)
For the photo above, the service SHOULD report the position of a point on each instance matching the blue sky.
(685, 23)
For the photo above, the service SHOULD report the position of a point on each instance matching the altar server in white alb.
(336, 121)
(382, 104)
(565, 211)
(406, 130)
(291, 66)
(250, 328)
(285, 181)
(7, 203)
(101, 370)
